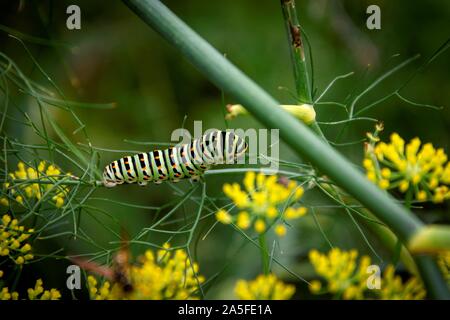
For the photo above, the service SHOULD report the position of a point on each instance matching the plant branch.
(297, 51)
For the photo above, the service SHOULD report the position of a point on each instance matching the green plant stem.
(431, 275)
(264, 253)
(384, 234)
(431, 239)
(297, 135)
(398, 244)
(297, 51)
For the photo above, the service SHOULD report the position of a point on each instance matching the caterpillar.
(189, 160)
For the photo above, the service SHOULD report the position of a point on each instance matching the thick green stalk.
(297, 135)
(297, 51)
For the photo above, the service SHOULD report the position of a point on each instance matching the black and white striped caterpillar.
(189, 160)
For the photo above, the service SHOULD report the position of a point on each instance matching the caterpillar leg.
(109, 184)
(195, 178)
(142, 183)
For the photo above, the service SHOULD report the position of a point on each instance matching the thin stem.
(297, 50)
(264, 253)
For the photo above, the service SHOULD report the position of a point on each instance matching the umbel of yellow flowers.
(346, 278)
(262, 203)
(264, 287)
(166, 275)
(36, 293)
(13, 240)
(49, 174)
(419, 170)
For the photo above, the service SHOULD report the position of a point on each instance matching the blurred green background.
(115, 57)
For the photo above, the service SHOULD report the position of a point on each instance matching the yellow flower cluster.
(166, 275)
(13, 240)
(36, 293)
(5, 294)
(392, 287)
(262, 203)
(346, 278)
(264, 287)
(45, 173)
(340, 270)
(422, 171)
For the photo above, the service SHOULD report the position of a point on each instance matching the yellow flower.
(4, 201)
(383, 183)
(280, 230)
(13, 240)
(243, 220)
(272, 213)
(49, 175)
(166, 274)
(295, 213)
(6, 295)
(346, 277)
(264, 287)
(260, 226)
(223, 217)
(263, 199)
(419, 169)
(341, 271)
(19, 199)
(315, 286)
(392, 287)
(39, 293)
(59, 201)
(20, 260)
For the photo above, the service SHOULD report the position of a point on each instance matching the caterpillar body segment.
(189, 160)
